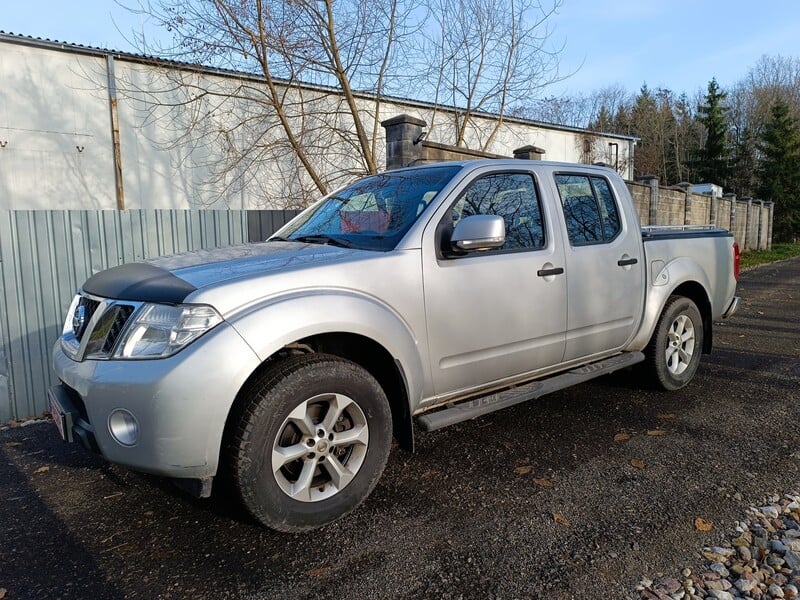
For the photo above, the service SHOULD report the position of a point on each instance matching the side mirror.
(479, 232)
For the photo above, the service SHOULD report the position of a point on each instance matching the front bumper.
(180, 403)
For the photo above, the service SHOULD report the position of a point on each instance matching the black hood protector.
(140, 282)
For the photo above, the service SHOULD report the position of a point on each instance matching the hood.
(171, 279)
(208, 267)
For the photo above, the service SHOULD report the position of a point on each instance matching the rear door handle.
(624, 262)
(547, 272)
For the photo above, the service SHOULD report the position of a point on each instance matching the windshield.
(373, 213)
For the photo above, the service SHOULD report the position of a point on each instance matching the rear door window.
(590, 210)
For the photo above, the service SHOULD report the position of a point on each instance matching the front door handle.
(624, 262)
(548, 272)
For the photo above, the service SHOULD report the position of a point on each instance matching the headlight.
(160, 330)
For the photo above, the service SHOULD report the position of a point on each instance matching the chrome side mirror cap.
(479, 232)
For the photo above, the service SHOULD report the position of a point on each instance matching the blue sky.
(679, 44)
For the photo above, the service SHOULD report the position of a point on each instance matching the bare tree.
(594, 111)
(302, 85)
(487, 56)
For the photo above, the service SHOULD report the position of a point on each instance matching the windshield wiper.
(277, 238)
(322, 238)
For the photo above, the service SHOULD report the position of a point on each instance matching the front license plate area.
(61, 417)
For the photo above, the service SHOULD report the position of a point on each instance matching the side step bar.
(471, 409)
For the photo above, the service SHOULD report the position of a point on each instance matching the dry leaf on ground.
(318, 571)
(561, 519)
(3, 592)
(666, 416)
(41, 470)
(13, 444)
(636, 463)
(545, 483)
(523, 470)
(622, 437)
(654, 432)
(703, 525)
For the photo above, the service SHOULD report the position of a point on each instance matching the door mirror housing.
(479, 232)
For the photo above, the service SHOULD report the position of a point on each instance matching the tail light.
(736, 261)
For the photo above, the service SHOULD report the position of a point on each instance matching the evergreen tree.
(743, 178)
(779, 171)
(712, 166)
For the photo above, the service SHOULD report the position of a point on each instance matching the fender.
(662, 283)
(275, 322)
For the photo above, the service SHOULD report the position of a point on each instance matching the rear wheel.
(677, 343)
(311, 442)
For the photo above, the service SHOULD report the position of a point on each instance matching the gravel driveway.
(578, 495)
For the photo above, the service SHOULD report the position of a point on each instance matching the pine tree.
(779, 171)
(712, 166)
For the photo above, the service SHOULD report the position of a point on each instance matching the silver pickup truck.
(428, 295)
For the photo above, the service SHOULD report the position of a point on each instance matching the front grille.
(124, 313)
(95, 327)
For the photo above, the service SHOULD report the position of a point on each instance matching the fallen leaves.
(637, 463)
(561, 519)
(318, 571)
(667, 416)
(703, 525)
(41, 470)
(655, 432)
(523, 470)
(3, 592)
(544, 483)
(622, 437)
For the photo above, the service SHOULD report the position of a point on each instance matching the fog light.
(123, 427)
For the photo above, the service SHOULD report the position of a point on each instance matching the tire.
(673, 353)
(310, 443)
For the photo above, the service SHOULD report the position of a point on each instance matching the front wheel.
(311, 442)
(677, 343)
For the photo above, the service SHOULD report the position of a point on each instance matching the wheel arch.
(697, 294)
(357, 348)
(681, 277)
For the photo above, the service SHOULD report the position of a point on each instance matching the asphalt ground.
(537, 501)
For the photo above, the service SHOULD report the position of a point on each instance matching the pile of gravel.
(761, 561)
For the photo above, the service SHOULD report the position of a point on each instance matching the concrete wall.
(749, 220)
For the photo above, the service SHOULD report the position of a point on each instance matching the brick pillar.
(529, 153)
(748, 221)
(403, 137)
(687, 203)
(732, 227)
(759, 236)
(712, 210)
(770, 213)
(652, 181)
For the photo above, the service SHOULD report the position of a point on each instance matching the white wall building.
(88, 128)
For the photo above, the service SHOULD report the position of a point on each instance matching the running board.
(471, 409)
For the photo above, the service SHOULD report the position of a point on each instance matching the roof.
(47, 44)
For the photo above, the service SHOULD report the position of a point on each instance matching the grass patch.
(778, 252)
